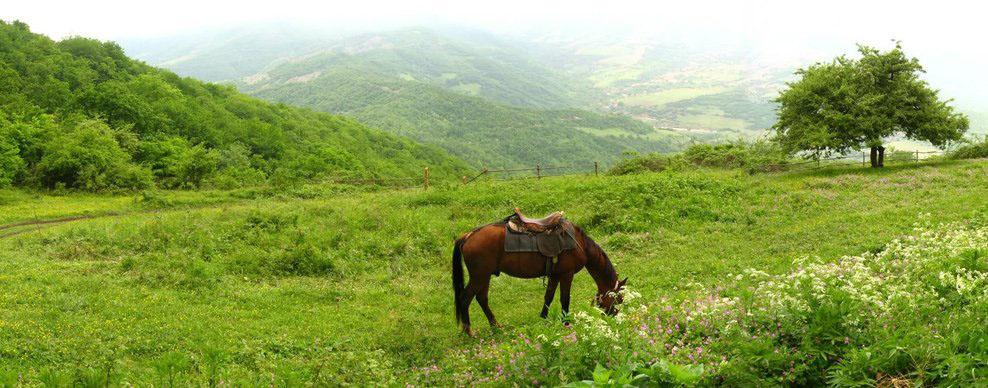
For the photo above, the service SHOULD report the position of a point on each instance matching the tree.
(849, 104)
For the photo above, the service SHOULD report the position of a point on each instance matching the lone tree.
(848, 104)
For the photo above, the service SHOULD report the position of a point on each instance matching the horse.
(483, 252)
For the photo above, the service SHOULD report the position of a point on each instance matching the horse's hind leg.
(484, 286)
(470, 291)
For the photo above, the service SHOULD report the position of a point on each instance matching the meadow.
(328, 285)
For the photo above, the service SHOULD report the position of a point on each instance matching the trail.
(21, 227)
(49, 222)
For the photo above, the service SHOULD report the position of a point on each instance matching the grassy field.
(319, 286)
(658, 99)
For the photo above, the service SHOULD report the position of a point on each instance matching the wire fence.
(537, 172)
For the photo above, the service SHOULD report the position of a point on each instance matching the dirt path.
(21, 227)
(40, 224)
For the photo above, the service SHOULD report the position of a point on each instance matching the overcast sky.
(948, 36)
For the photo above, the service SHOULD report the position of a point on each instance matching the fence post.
(426, 173)
(538, 171)
(917, 156)
(863, 162)
(596, 169)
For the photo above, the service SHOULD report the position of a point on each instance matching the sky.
(947, 36)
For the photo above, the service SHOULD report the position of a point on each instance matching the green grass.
(658, 99)
(355, 287)
(712, 121)
(611, 76)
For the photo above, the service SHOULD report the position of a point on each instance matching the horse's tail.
(458, 278)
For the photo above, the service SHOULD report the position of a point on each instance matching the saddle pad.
(548, 244)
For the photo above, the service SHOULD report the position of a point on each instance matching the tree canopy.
(78, 113)
(849, 104)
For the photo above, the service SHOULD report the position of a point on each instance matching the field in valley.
(328, 285)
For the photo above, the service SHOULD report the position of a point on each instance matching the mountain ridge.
(79, 113)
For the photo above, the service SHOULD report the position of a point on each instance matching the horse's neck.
(602, 272)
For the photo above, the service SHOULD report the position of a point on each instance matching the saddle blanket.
(548, 244)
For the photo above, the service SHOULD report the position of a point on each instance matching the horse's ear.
(623, 282)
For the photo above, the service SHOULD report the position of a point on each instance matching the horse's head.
(608, 300)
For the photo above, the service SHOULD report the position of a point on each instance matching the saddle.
(549, 236)
(538, 225)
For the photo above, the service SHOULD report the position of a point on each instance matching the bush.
(644, 163)
(915, 311)
(235, 169)
(86, 155)
(11, 164)
(177, 163)
(972, 150)
(754, 156)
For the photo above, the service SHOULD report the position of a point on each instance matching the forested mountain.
(78, 113)
(228, 54)
(472, 128)
(464, 61)
(473, 94)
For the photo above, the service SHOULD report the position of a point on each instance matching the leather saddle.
(537, 225)
(549, 235)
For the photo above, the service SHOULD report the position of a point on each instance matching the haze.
(945, 36)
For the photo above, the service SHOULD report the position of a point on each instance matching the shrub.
(753, 156)
(972, 150)
(644, 163)
(177, 163)
(11, 164)
(235, 169)
(86, 155)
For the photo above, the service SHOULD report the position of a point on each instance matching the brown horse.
(483, 251)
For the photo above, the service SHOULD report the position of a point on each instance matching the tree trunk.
(874, 157)
(881, 156)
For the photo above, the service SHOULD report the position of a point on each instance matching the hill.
(218, 288)
(465, 61)
(706, 90)
(473, 94)
(226, 55)
(79, 114)
(472, 128)
(702, 89)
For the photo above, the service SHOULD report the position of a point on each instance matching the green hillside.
(472, 128)
(465, 61)
(78, 113)
(477, 96)
(227, 55)
(219, 289)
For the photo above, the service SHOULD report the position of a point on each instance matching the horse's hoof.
(469, 333)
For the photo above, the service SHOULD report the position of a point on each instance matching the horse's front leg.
(566, 282)
(550, 292)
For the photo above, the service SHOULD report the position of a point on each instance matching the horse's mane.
(594, 249)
